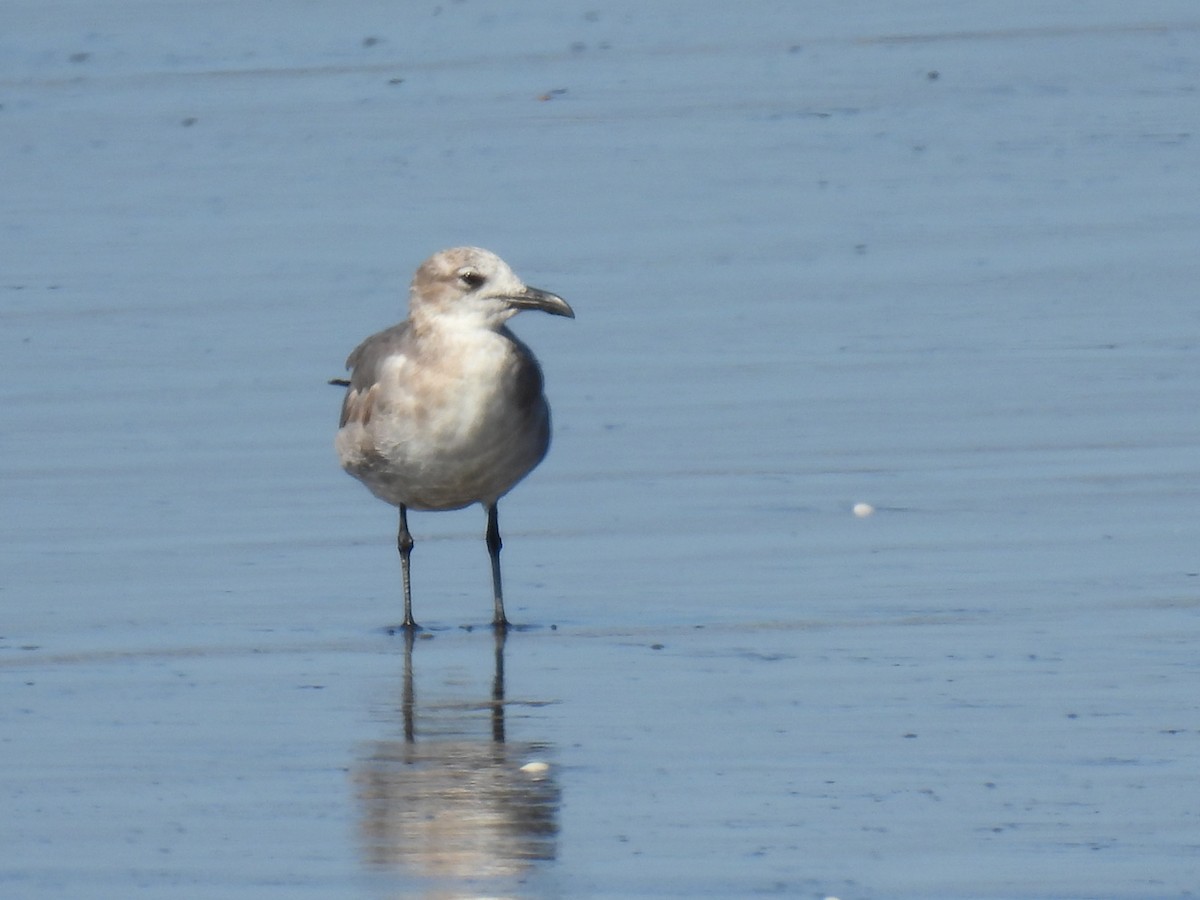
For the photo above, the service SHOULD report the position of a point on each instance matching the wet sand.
(932, 259)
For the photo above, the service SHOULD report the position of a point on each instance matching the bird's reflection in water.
(455, 799)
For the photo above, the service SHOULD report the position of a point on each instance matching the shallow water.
(931, 258)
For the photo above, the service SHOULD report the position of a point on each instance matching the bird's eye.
(471, 278)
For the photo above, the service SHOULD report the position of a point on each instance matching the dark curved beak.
(532, 298)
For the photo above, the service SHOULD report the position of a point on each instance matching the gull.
(446, 409)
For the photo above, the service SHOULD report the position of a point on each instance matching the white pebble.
(862, 510)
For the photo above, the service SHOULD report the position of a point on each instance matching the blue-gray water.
(932, 257)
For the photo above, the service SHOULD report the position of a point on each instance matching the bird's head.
(472, 286)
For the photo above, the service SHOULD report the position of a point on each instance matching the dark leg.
(494, 544)
(404, 542)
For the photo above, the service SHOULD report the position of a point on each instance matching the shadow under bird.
(446, 409)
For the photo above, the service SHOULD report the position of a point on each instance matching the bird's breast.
(452, 425)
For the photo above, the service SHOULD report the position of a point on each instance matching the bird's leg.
(494, 544)
(404, 541)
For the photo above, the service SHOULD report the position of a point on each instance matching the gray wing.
(364, 363)
(528, 375)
